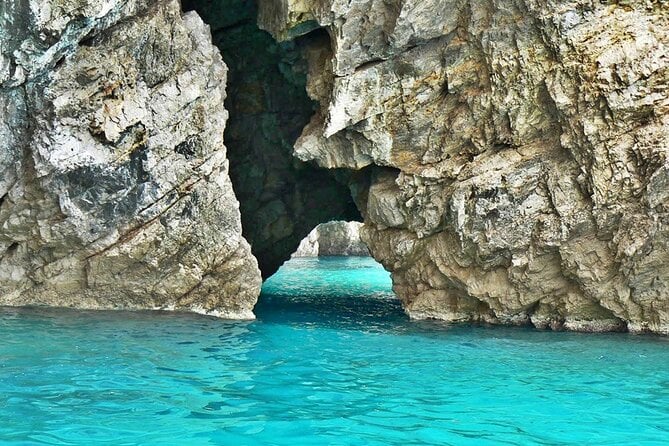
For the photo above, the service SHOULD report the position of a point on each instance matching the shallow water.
(331, 360)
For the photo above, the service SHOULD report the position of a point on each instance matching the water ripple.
(331, 359)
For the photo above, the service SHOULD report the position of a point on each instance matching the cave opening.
(281, 198)
(330, 279)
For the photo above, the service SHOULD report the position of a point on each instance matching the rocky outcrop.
(282, 198)
(114, 187)
(515, 151)
(334, 238)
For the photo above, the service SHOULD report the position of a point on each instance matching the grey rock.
(515, 151)
(113, 174)
(335, 238)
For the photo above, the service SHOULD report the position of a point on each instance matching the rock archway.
(509, 156)
(518, 148)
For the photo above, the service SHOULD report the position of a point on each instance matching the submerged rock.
(515, 151)
(334, 238)
(114, 187)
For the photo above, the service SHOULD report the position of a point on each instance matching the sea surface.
(331, 360)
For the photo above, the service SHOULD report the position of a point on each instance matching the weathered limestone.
(114, 187)
(334, 238)
(516, 151)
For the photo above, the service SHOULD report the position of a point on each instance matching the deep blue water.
(331, 360)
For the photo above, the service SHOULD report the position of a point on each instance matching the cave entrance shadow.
(281, 198)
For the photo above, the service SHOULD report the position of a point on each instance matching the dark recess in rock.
(187, 148)
(11, 249)
(281, 199)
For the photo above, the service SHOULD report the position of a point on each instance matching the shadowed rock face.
(282, 198)
(517, 150)
(114, 188)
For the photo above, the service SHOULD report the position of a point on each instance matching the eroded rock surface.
(334, 238)
(517, 150)
(114, 187)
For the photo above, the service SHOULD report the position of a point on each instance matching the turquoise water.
(330, 360)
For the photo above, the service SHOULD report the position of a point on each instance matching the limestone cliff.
(334, 238)
(515, 151)
(114, 187)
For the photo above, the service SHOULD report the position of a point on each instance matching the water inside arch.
(331, 279)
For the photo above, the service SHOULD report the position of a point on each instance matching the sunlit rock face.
(517, 150)
(282, 198)
(334, 238)
(114, 184)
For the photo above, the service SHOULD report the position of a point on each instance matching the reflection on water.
(331, 359)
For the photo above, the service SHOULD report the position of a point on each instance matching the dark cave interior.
(281, 198)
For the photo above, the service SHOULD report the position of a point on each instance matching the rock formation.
(515, 151)
(282, 198)
(334, 238)
(114, 188)
(509, 156)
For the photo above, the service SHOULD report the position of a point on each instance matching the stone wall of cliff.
(516, 151)
(114, 187)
